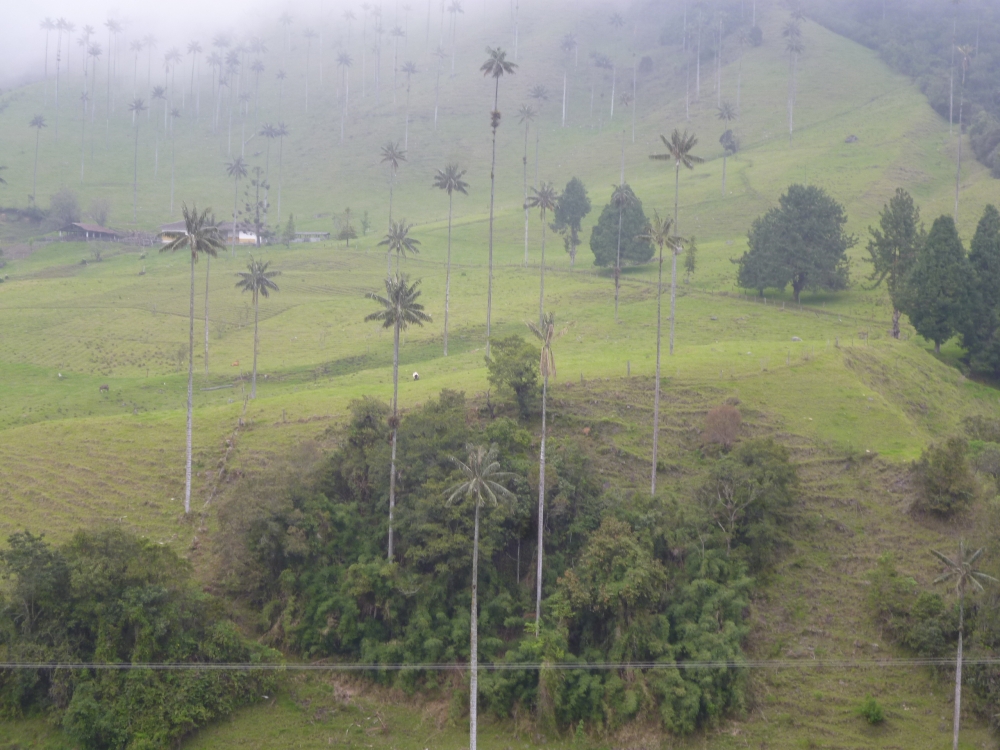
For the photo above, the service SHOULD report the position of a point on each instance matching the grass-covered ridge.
(73, 456)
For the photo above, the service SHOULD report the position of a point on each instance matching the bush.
(64, 208)
(722, 426)
(871, 711)
(513, 368)
(944, 481)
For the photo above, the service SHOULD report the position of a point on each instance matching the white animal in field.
(416, 376)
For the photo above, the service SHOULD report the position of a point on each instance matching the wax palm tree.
(393, 156)
(441, 55)
(966, 54)
(659, 233)
(567, 45)
(622, 198)
(399, 241)
(257, 67)
(450, 180)
(410, 68)
(962, 571)
(481, 485)
(256, 280)
(94, 51)
(280, 76)
(792, 32)
(159, 94)
(237, 169)
(525, 115)
(541, 95)
(399, 310)
(455, 8)
(727, 113)
(396, 33)
(137, 107)
(280, 132)
(545, 333)
(344, 61)
(545, 199)
(496, 66)
(201, 237)
(37, 122)
(174, 115)
(194, 49)
(309, 35)
(48, 26)
(678, 151)
(268, 132)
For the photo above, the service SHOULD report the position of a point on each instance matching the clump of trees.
(943, 478)
(109, 596)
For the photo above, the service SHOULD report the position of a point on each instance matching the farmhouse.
(244, 234)
(86, 232)
(311, 236)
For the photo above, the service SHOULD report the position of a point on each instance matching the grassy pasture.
(72, 456)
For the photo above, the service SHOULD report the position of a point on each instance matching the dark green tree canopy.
(604, 237)
(801, 242)
(573, 206)
(937, 287)
(981, 328)
(513, 368)
(893, 246)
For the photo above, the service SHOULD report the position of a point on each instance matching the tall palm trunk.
(447, 279)
(208, 267)
(135, 173)
(656, 386)
(541, 290)
(673, 265)
(493, 185)
(618, 260)
(388, 250)
(236, 195)
(958, 676)
(395, 430)
(34, 179)
(281, 144)
(253, 378)
(958, 170)
(474, 640)
(564, 100)
(725, 154)
(541, 509)
(524, 162)
(190, 399)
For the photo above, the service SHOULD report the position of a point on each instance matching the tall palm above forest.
(545, 199)
(544, 333)
(659, 233)
(400, 310)
(201, 237)
(496, 66)
(525, 115)
(37, 122)
(482, 476)
(258, 281)
(679, 147)
(450, 180)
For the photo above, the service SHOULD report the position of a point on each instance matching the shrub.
(64, 208)
(944, 481)
(513, 368)
(871, 711)
(722, 425)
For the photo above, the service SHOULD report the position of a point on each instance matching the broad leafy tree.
(572, 208)
(481, 485)
(679, 147)
(496, 67)
(450, 180)
(802, 242)
(200, 237)
(893, 248)
(258, 281)
(937, 287)
(622, 198)
(400, 310)
(545, 333)
(635, 249)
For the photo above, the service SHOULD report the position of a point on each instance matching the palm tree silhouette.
(440, 54)
(399, 310)
(194, 49)
(48, 26)
(410, 69)
(481, 485)
(545, 333)
(658, 232)
(497, 66)
(344, 61)
(678, 151)
(237, 169)
(137, 107)
(545, 199)
(396, 33)
(961, 570)
(399, 241)
(525, 115)
(280, 76)
(455, 8)
(174, 115)
(567, 45)
(541, 95)
(622, 198)
(280, 132)
(201, 237)
(727, 113)
(37, 122)
(450, 180)
(392, 155)
(257, 66)
(256, 280)
(159, 94)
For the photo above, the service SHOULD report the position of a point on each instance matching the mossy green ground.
(73, 456)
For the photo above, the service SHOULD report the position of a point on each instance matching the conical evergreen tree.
(981, 328)
(937, 289)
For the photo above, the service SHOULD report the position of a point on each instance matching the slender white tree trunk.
(256, 310)
(724, 155)
(447, 278)
(564, 101)
(474, 640)
(208, 266)
(618, 261)
(395, 431)
(673, 266)
(541, 511)
(493, 185)
(524, 162)
(656, 396)
(541, 289)
(958, 678)
(190, 399)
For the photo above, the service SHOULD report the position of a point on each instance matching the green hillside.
(853, 405)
